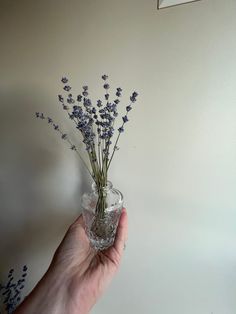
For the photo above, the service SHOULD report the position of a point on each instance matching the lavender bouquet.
(96, 123)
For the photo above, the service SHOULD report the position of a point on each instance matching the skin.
(77, 275)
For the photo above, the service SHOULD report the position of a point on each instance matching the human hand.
(78, 275)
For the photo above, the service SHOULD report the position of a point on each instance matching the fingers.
(122, 232)
(79, 220)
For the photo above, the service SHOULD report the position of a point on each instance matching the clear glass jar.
(101, 212)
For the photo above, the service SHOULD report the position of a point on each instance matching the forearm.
(49, 295)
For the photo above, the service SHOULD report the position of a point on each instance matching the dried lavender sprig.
(79, 114)
(63, 136)
(121, 129)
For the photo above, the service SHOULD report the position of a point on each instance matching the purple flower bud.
(67, 88)
(125, 119)
(79, 98)
(73, 147)
(99, 103)
(56, 127)
(85, 94)
(64, 80)
(108, 106)
(61, 99)
(106, 86)
(116, 101)
(70, 101)
(118, 94)
(85, 88)
(128, 108)
(49, 120)
(87, 102)
(121, 129)
(133, 99)
(119, 89)
(104, 77)
(37, 114)
(113, 107)
(106, 96)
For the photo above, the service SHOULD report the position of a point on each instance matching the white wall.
(177, 165)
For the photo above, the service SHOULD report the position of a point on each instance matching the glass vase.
(101, 213)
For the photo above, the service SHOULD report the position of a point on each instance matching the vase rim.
(106, 187)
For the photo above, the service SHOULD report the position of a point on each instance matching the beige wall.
(177, 165)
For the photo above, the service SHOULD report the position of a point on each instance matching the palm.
(91, 271)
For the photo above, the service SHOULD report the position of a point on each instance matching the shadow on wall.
(41, 180)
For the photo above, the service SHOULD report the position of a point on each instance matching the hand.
(78, 275)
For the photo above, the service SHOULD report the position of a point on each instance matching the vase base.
(101, 244)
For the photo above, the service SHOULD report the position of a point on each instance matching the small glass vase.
(101, 213)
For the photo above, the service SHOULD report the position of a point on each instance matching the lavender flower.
(70, 99)
(133, 97)
(64, 80)
(85, 91)
(106, 86)
(61, 99)
(67, 88)
(104, 77)
(79, 98)
(99, 103)
(118, 92)
(125, 119)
